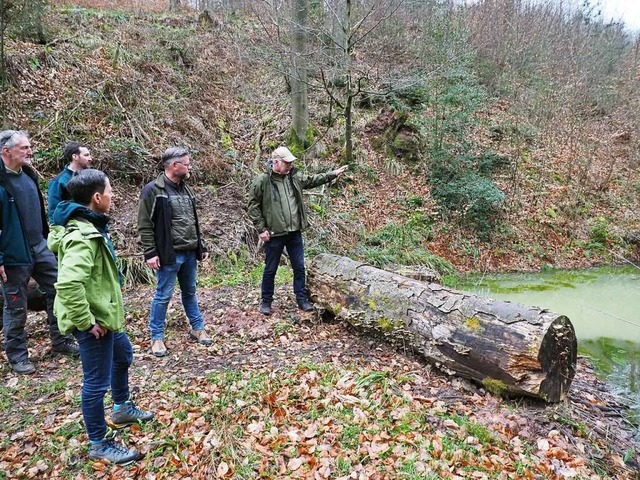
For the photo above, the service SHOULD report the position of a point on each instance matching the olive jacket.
(265, 206)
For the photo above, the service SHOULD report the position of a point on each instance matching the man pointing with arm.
(277, 211)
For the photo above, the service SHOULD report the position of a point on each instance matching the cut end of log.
(558, 357)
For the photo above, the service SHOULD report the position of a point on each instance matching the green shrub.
(476, 198)
(599, 234)
(25, 19)
(401, 244)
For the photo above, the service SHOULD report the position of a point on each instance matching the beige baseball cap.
(283, 153)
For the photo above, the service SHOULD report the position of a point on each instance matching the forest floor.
(296, 395)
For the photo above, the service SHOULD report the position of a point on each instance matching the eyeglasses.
(188, 165)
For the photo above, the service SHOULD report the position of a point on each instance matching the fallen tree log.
(508, 347)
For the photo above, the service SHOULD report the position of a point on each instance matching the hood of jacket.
(67, 210)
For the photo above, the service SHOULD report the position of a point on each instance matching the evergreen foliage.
(461, 180)
(24, 19)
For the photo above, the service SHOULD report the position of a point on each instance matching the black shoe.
(68, 347)
(265, 308)
(306, 305)
(23, 368)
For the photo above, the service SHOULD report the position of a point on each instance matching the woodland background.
(492, 137)
(498, 136)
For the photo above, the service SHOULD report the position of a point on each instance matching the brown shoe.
(200, 336)
(158, 348)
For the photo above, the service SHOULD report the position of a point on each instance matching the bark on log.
(506, 346)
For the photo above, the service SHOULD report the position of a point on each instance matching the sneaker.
(68, 347)
(158, 348)
(265, 308)
(23, 368)
(113, 451)
(305, 305)
(200, 336)
(128, 414)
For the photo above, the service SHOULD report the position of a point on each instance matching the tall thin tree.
(299, 73)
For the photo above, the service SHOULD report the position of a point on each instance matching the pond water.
(603, 305)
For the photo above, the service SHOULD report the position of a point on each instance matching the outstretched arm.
(312, 181)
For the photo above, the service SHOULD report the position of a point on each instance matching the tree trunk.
(348, 133)
(506, 346)
(174, 5)
(299, 80)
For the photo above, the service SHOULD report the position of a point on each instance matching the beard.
(184, 177)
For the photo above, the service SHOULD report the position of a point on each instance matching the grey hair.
(8, 138)
(172, 153)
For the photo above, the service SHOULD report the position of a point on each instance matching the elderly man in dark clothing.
(23, 251)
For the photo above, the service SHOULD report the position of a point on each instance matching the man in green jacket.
(277, 211)
(89, 305)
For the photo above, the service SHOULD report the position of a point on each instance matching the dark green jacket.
(265, 205)
(57, 190)
(154, 222)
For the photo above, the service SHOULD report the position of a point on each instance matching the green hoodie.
(88, 286)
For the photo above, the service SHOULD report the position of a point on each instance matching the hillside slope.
(129, 84)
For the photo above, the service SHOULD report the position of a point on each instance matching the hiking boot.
(158, 348)
(23, 368)
(305, 305)
(265, 308)
(200, 336)
(68, 347)
(113, 451)
(128, 414)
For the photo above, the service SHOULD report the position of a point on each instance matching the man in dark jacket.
(77, 157)
(170, 236)
(276, 210)
(23, 251)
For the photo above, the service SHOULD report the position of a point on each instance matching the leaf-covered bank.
(292, 397)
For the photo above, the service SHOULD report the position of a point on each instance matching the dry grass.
(129, 5)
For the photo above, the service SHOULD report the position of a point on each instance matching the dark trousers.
(273, 251)
(43, 270)
(105, 363)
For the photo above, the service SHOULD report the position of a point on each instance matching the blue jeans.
(105, 363)
(273, 251)
(43, 270)
(185, 270)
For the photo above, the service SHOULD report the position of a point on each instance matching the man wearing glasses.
(276, 210)
(170, 236)
(23, 251)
